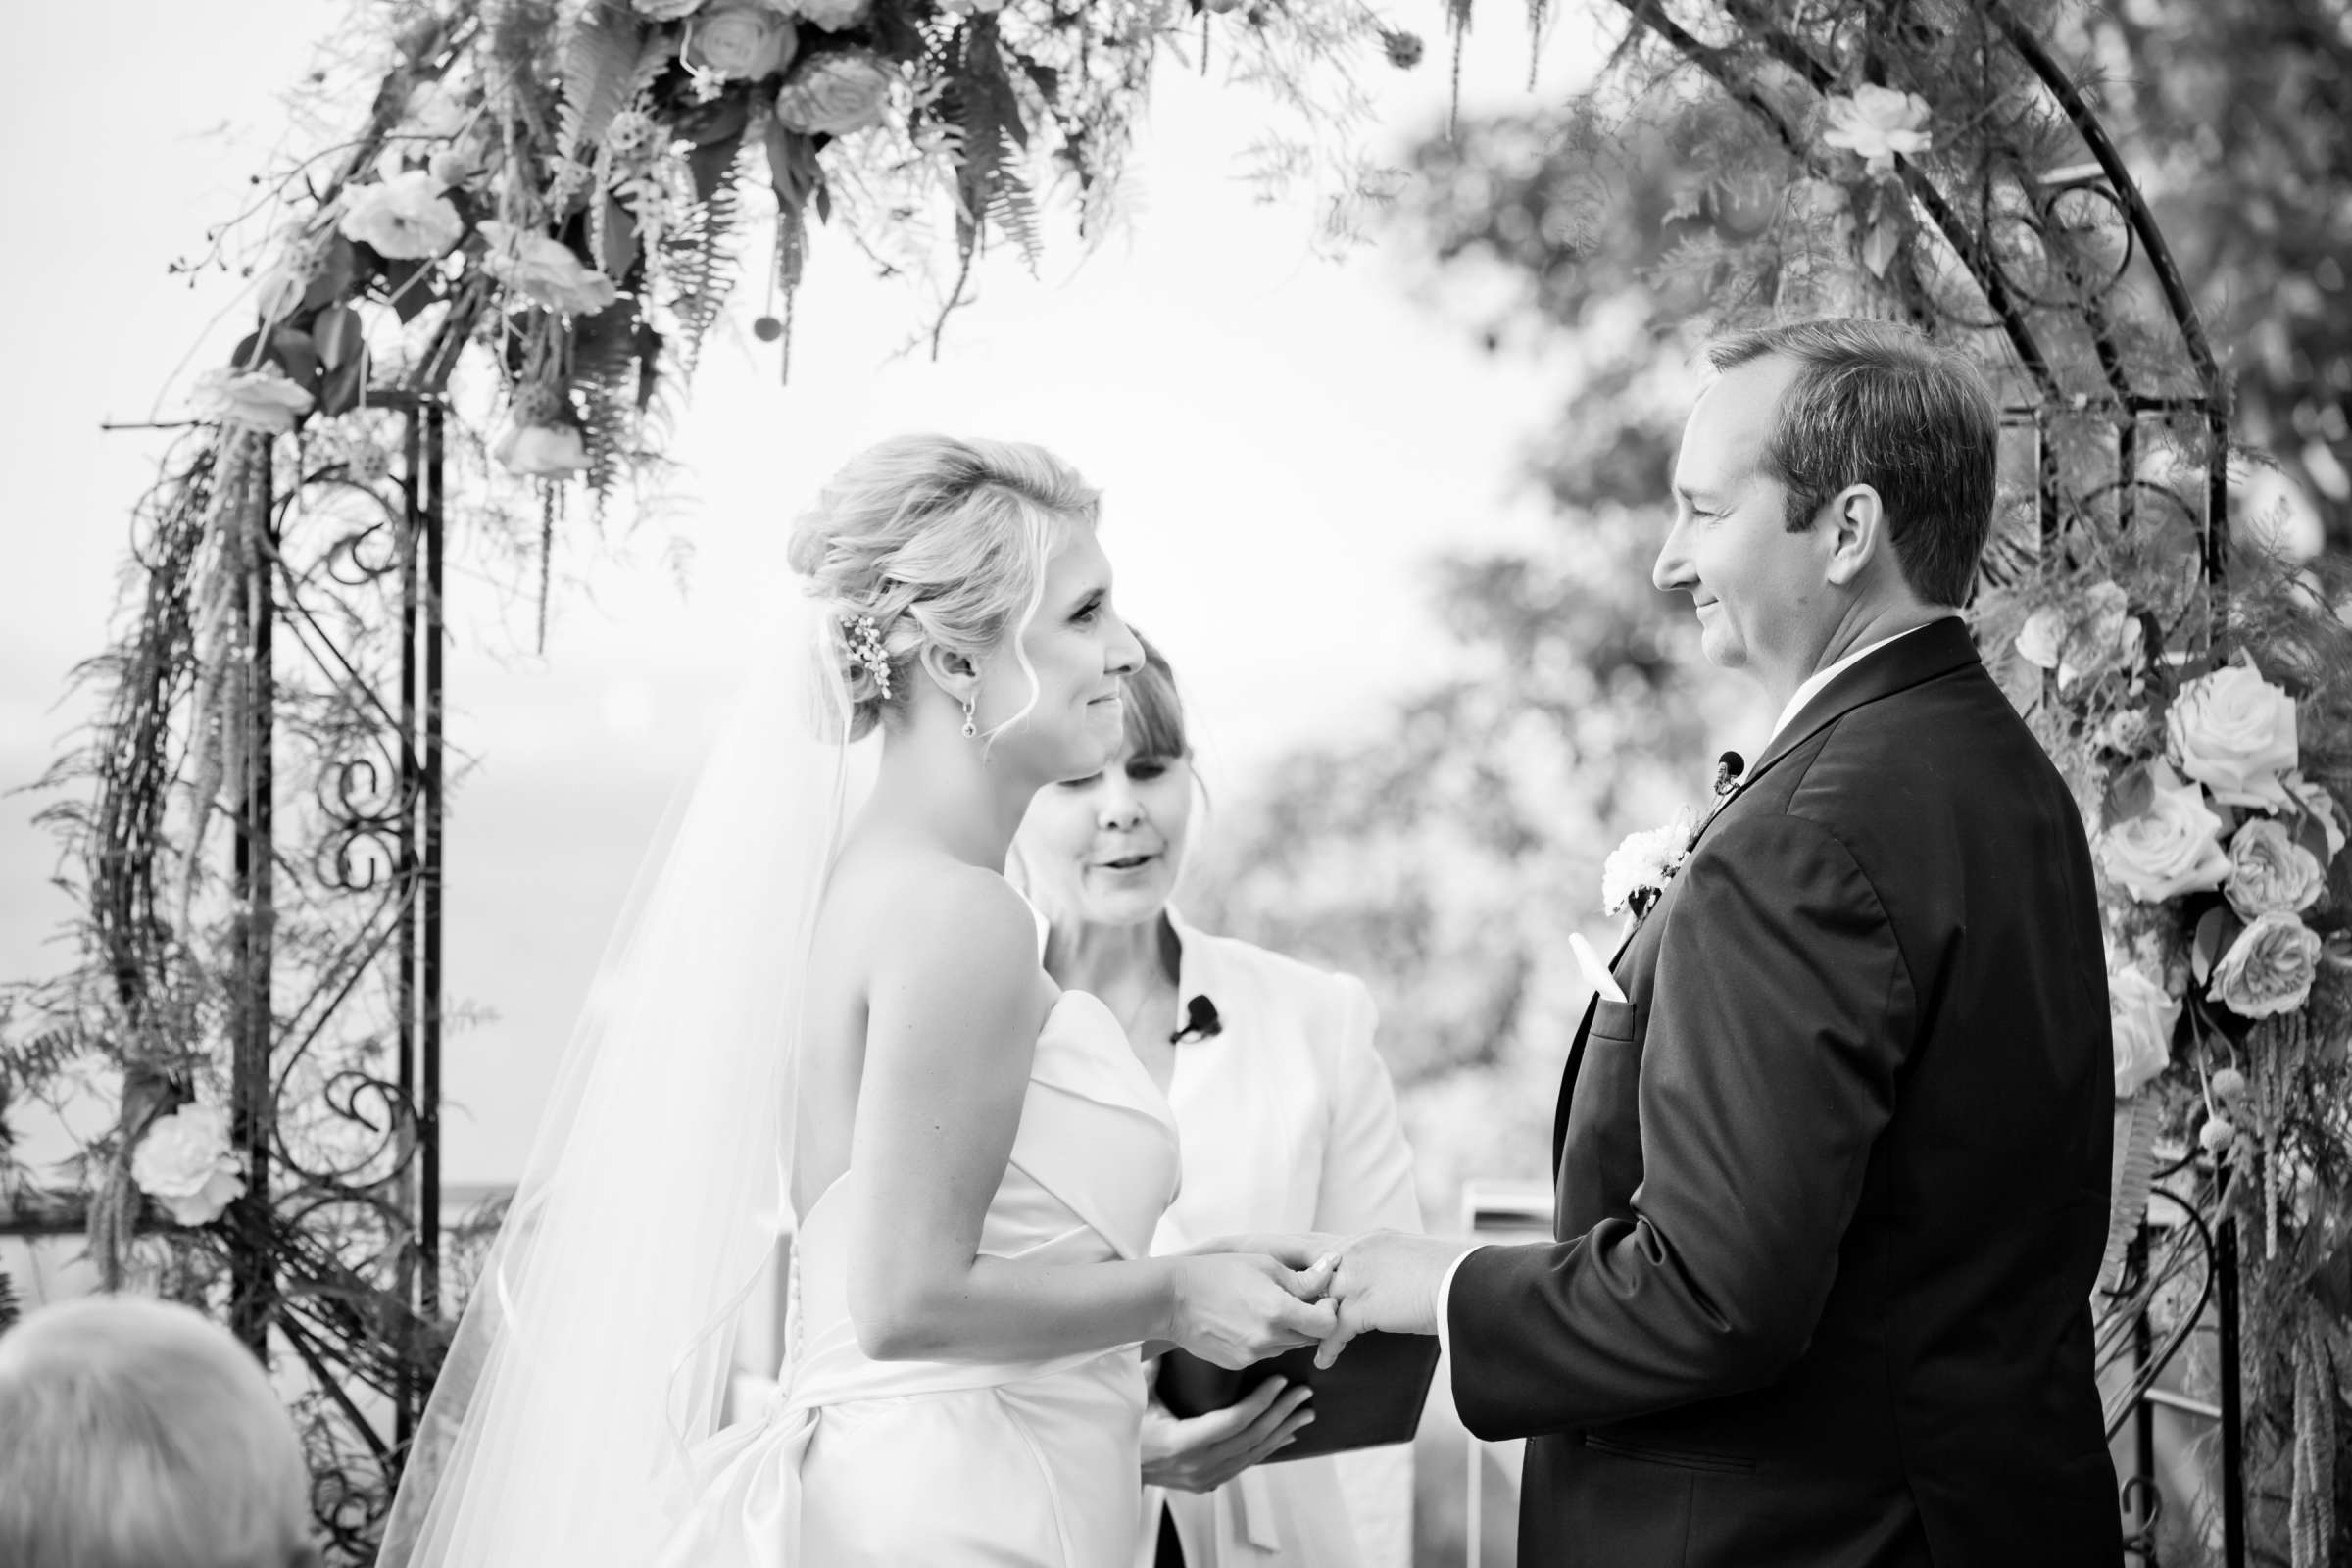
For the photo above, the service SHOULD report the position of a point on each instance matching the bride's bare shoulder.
(921, 919)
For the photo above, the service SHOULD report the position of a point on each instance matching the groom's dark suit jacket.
(1832, 1180)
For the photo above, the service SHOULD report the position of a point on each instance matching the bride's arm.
(953, 1010)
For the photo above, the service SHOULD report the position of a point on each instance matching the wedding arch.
(475, 312)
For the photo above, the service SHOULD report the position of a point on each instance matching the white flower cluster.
(1638, 869)
(2226, 809)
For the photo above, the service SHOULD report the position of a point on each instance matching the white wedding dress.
(1030, 1464)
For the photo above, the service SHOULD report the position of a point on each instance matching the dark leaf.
(621, 248)
(2215, 933)
(338, 277)
(2131, 795)
(338, 334)
(720, 120)
(341, 389)
(712, 164)
(410, 286)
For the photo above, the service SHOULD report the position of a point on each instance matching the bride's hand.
(1233, 1308)
(1297, 1250)
(1205, 1453)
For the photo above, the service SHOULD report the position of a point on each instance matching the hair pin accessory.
(865, 647)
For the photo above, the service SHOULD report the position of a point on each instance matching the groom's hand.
(1387, 1280)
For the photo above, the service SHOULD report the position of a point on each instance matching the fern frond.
(10, 1308)
(601, 62)
(698, 255)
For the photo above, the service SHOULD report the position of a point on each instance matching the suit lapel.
(1932, 650)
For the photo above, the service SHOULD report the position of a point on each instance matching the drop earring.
(969, 728)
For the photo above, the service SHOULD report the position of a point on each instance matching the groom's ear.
(1857, 523)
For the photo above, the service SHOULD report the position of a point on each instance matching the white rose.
(832, 15)
(546, 269)
(2269, 969)
(1879, 122)
(2174, 847)
(2235, 732)
(435, 111)
(185, 1165)
(835, 93)
(403, 218)
(2141, 1015)
(738, 42)
(542, 451)
(278, 292)
(251, 400)
(2269, 873)
(2085, 639)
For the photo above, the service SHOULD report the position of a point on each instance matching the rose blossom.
(2083, 640)
(2269, 873)
(2141, 1015)
(738, 42)
(835, 93)
(835, 14)
(1879, 122)
(2235, 732)
(251, 400)
(545, 268)
(405, 218)
(2267, 970)
(2173, 847)
(185, 1165)
(542, 451)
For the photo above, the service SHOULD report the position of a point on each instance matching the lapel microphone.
(1728, 768)
(1201, 1021)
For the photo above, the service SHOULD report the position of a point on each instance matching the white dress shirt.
(1805, 693)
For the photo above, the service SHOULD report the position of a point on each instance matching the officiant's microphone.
(1201, 1021)
(1728, 768)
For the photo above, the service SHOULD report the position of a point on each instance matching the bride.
(849, 1013)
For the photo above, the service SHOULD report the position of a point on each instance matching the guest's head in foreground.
(138, 1434)
(1106, 848)
(972, 603)
(1834, 486)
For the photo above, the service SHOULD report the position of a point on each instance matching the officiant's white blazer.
(1288, 1122)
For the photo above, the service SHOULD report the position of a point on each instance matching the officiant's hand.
(1234, 1308)
(1387, 1280)
(1205, 1453)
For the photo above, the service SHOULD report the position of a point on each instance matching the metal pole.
(406, 1396)
(2233, 1458)
(435, 643)
(252, 1291)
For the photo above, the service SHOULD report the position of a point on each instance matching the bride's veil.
(595, 1347)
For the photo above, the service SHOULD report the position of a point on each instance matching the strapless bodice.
(1041, 1455)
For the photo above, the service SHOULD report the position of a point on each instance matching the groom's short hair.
(1876, 403)
(138, 1434)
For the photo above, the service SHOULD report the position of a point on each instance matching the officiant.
(1288, 1122)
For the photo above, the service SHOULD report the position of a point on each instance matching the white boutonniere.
(1638, 870)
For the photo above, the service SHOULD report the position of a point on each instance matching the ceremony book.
(1371, 1395)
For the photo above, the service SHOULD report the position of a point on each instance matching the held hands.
(1202, 1454)
(1233, 1308)
(1387, 1280)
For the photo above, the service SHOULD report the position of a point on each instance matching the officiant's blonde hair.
(938, 540)
(136, 1434)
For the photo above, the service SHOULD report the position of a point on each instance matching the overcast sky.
(1283, 443)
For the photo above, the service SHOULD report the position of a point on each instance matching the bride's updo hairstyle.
(939, 541)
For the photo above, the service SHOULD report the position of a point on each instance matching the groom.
(1832, 1178)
